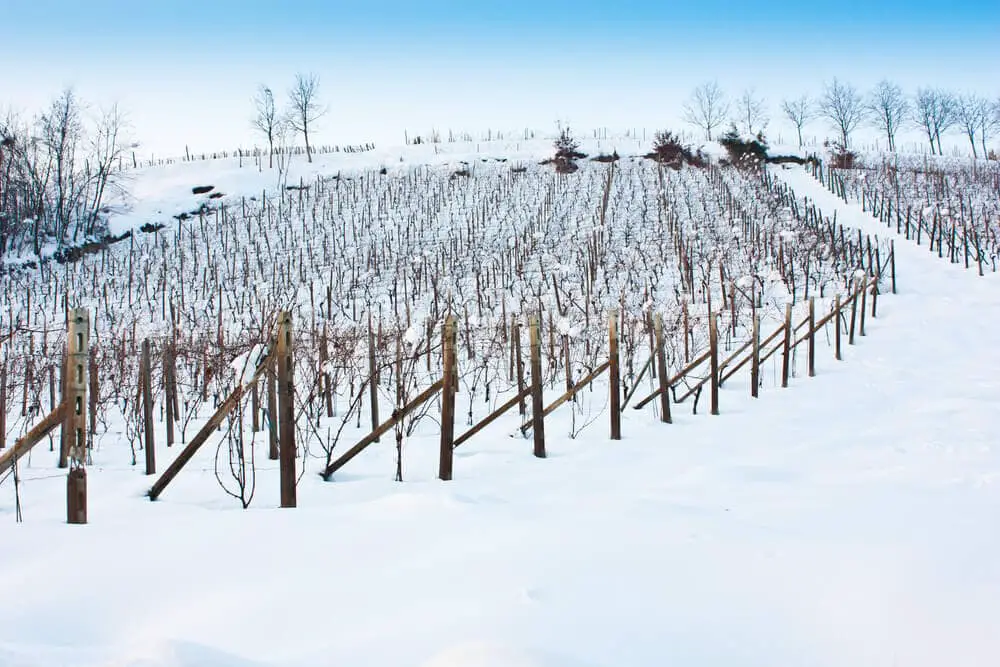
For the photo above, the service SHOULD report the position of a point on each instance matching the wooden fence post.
(812, 336)
(92, 397)
(167, 395)
(875, 295)
(448, 339)
(255, 407)
(3, 406)
(755, 362)
(836, 345)
(515, 340)
(854, 314)
(537, 403)
(786, 348)
(614, 376)
(272, 411)
(713, 343)
(147, 408)
(373, 376)
(863, 287)
(286, 408)
(892, 263)
(661, 370)
(75, 414)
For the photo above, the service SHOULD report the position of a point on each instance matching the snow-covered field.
(848, 520)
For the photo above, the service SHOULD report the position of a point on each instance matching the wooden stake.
(786, 351)
(875, 295)
(863, 288)
(854, 314)
(448, 340)
(284, 360)
(147, 409)
(75, 416)
(518, 364)
(755, 364)
(537, 402)
(812, 336)
(713, 342)
(3, 406)
(661, 371)
(272, 413)
(837, 310)
(614, 377)
(373, 376)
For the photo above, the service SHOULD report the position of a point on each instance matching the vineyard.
(370, 263)
(949, 205)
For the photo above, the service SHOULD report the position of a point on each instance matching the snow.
(848, 520)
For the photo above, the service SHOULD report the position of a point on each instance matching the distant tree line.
(57, 171)
(885, 108)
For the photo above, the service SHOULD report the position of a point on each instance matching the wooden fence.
(274, 363)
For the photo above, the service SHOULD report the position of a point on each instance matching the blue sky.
(186, 69)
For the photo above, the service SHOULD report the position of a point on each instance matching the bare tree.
(934, 111)
(707, 108)
(108, 144)
(751, 112)
(267, 120)
(800, 111)
(305, 108)
(971, 113)
(842, 105)
(62, 134)
(888, 108)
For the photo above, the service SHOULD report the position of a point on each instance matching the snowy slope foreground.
(849, 520)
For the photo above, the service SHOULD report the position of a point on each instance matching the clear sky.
(186, 70)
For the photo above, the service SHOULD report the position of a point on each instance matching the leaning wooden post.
(147, 409)
(713, 345)
(449, 370)
(786, 351)
(272, 412)
(75, 415)
(286, 409)
(661, 370)
(812, 336)
(537, 403)
(614, 374)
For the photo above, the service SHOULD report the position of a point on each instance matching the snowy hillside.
(849, 519)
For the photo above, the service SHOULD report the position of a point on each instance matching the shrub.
(668, 150)
(840, 156)
(744, 153)
(567, 152)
